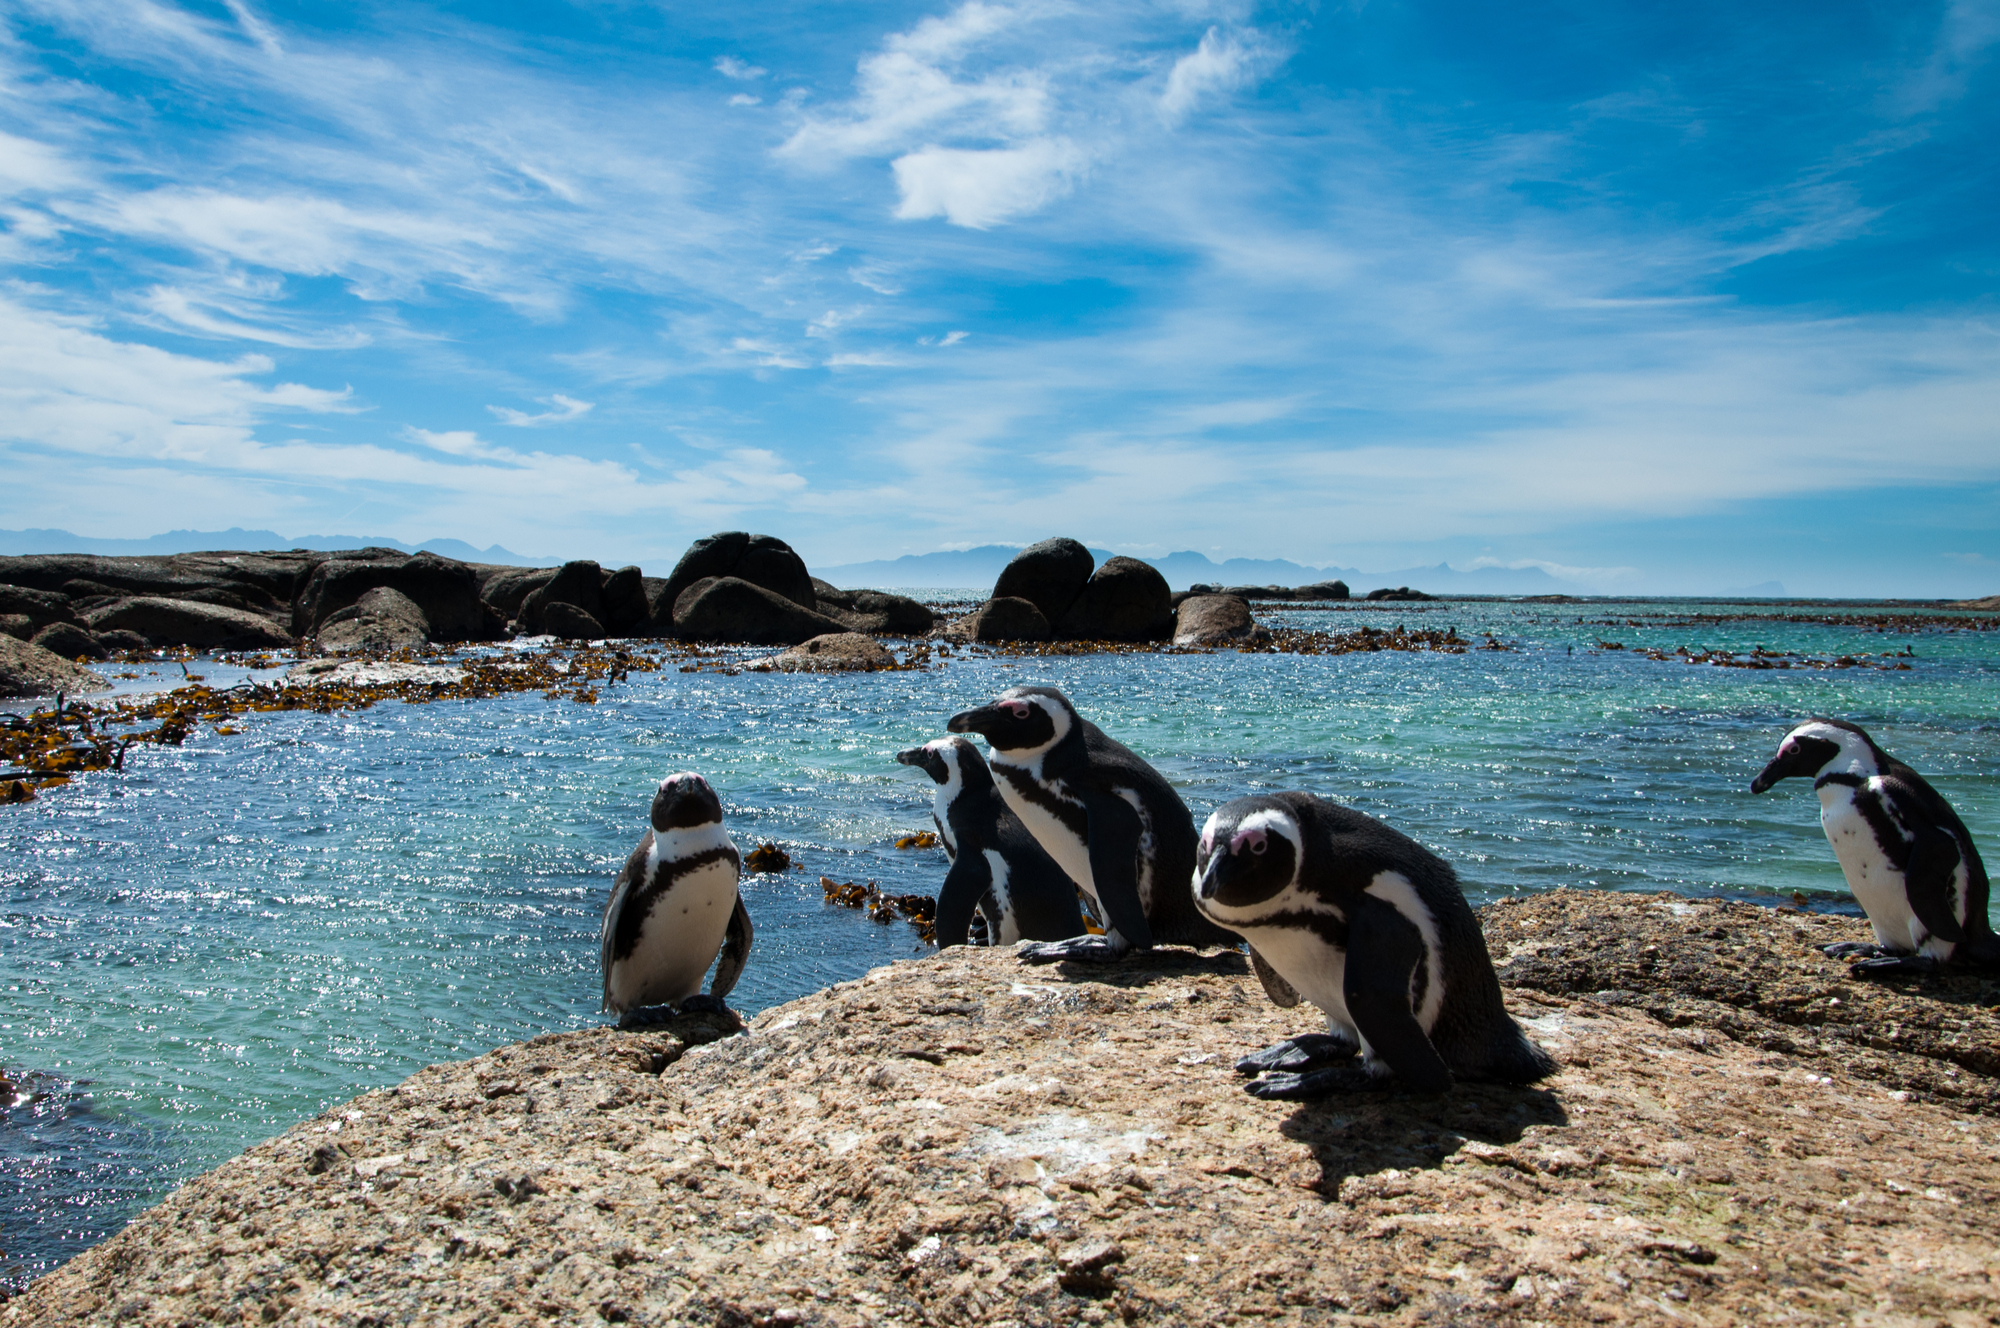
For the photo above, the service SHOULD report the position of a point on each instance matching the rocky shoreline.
(1737, 1133)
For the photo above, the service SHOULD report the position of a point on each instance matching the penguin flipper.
(735, 951)
(1115, 832)
(614, 908)
(1934, 859)
(1282, 993)
(965, 886)
(1383, 947)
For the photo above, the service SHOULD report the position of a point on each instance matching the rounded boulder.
(1125, 600)
(1049, 575)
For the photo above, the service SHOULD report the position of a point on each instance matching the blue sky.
(1670, 298)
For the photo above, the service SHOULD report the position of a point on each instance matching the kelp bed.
(47, 747)
(919, 910)
(1282, 641)
(1760, 658)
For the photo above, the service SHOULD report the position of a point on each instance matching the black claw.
(1305, 1052)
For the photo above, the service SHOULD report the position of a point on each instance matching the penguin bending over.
(673, 908)
(1907, 857)
(1107, 818)
(997, 868)
(1371, 927)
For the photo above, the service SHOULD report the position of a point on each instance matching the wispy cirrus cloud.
(561, 410)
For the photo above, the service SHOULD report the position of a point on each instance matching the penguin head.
(1020, 719)
(683, 802)
(1814, 746)
(940, 758)
(1249, 853)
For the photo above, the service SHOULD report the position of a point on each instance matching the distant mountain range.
(16, 542)
(977, 568)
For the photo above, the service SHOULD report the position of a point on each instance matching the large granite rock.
(1318, 590)
(382, 620)
(69, 640)
(29, 670)
(202, 626)
(1049, 575)
(875, 612)
(39, 607)
(1398, 594)
(579, 584)
(446, 591)
(506, 588)
(17, 625)
(1124, 600)
(263, 583)
(1002, 619)
(760, 560)
(571, 622)
(627, 610)
(928, 1145)
(728, 608)
(1216, 620)
(836, 652)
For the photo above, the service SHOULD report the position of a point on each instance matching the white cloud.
(768, 356)
(745, 99)
(28, 166)
(191, 313)
(566, 409)
(1221, 63)
(953, 338)
(980, 188)
(730, 67)
(255, 28)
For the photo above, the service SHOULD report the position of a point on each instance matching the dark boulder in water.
(1215, 620)
(69, 641)
(571, 623)
(383, 619)
(627, 610)
(179, 622)
(1049, 575)
(1399, 594)
(40, 607)
(728, 608)
(447, 592)
(875, 612)
(1125, 600)
(1003, 618)
(759, 560)
(29, 670)
(508, 588)
(579, 584)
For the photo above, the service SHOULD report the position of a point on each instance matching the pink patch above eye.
(1020, 709)
(1254, 838)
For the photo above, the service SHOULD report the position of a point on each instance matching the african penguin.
(1371, 927)
(673, 906)
(996, 865)
(1104, 815)
(1906, 855)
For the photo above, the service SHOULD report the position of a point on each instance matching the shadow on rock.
(1363, 1135)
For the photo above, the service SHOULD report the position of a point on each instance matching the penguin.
(1906, 855)
(673, 907)
(997, 867)
(1371, 927)
(1107, 818)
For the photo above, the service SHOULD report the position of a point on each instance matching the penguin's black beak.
(1209, 880)
(1791, 760)
(974, 721)
(911, 756)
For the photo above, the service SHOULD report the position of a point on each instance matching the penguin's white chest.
(1316, 968)
(679, 939)
(1878, 886)
(1071, 851)
(1010, 921)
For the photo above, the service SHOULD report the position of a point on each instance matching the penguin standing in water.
(1371, 927)
(1907, 857)
(1107, 818)
(997, 867)
(673, 907)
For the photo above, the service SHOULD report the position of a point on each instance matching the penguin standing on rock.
(1107, 818)
(997, 868)
(673, 908)
(1371, 927)
(1907, 857)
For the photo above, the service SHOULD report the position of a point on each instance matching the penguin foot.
(1889, 965)
(1286, 1086)
(1306, 1052)
(1085, 949)
(1848, 949)
(646, 1016)
(703, 1003)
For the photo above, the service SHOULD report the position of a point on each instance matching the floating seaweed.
(921, 839)
(767, 858)
(919, 910)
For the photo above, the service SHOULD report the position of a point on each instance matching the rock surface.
(383, 619)
(69, 641)
(29, 670)
(183, 622)
(1398, 594)
(446, 591)
(960, 1139)
(761, 560)
(836, 652)
(579, 584)
(725, 608)
(1124, 600)
(1215, 620)
(370, 672)
(571, 623)
(1989, 603)
(1049, 575)
(874, 611)
(1002, 619)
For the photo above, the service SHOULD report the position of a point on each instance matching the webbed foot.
(1848, 949)
(1286, 1086)
(1894, 965)
(1306, 1052)
(646, 1016)
(703, 1003)
(1084, 949)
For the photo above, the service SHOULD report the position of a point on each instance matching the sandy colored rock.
(1990, 603)
(1216, 620)
(29, 670)
(962, 1139)
(370, 673)
(384, 619)
(831, 653)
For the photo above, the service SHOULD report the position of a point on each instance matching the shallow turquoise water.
(233, 934)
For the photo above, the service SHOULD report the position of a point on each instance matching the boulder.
(1399, 594)
(835, 652)
(760, 560)
(69, 641)
(17, 625)
(876, 612)
(41, 607)
(579, 584)
(29, 670)
(1125, 600)
(264, 583)
(1002, 619)
(507, 588)
(1216, 620)
(571, 622)
(627, 611)
(382, 620)
(1049, 575)
(728, 608)
(173, 622)
(1323, 590)
(116, 640)
(447, 592)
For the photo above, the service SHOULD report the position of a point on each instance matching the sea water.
(230, 935)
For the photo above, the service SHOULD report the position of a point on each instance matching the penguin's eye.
(1258, 845)
(1020, 709)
